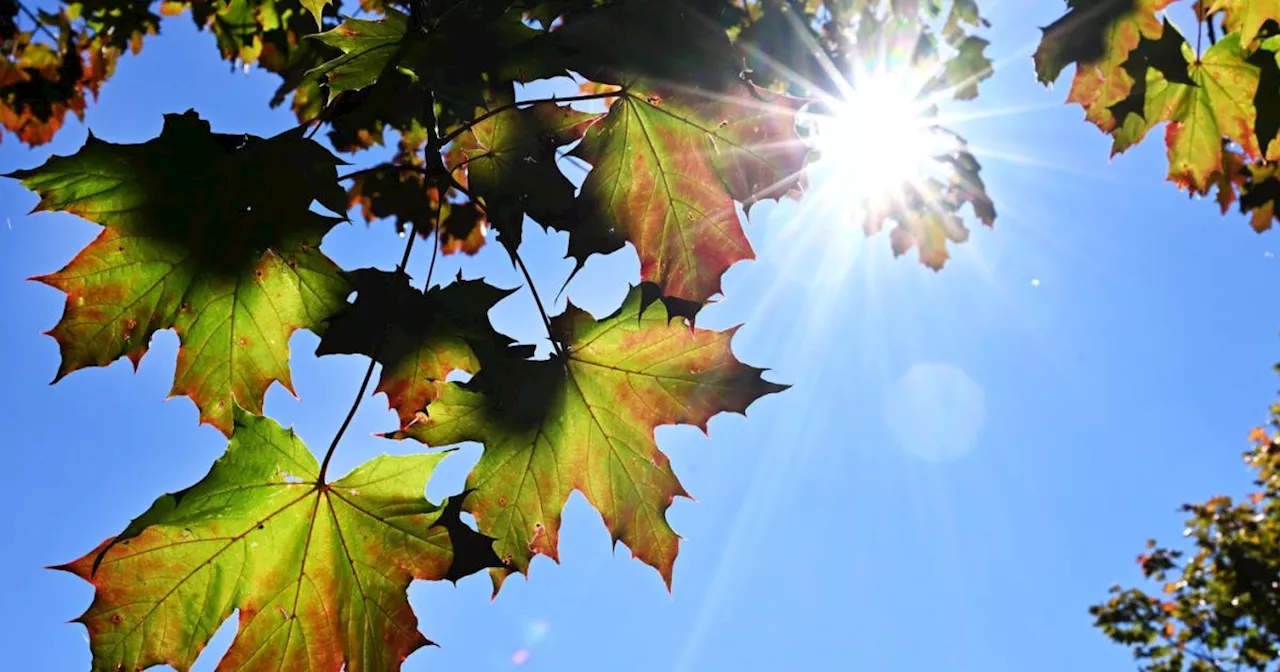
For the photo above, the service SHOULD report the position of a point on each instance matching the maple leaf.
(683, 162)
(967, 68)
(400, 194)
(208, 234)
(369, 48)
(1114, 86)
(429, 336)
(1219, 104)
(1246, 16)
(927, 214)
(463, 79)
(508, 160)
(317, 570)
(585, 421)
(1096, 31)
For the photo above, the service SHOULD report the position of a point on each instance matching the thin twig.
(509, 106)
(1199, 33)
(39, 24)
(435, 249)
(546, 320)
(384, 166)
(373, 361)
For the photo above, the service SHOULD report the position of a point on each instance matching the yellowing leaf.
(424, 337)
(207, 234)
(585, 422)
(317, 570)
(1096, 34)
(1246, 16)
(1220, 104)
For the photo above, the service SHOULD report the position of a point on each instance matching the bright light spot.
(1035, 282)
(936, 412)
(880, 138)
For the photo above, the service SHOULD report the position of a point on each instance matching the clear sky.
(1105, 350)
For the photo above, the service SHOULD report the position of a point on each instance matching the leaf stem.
(509, 106)
(546, 320)
(435, 249)
(373, 361)
(383, 166)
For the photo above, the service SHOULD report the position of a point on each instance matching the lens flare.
(879, 139)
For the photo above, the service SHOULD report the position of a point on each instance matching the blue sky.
(1105, 346)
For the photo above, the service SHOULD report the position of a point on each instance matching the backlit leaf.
(1101, 32)
(429, 335)
(509, 161)
(585, 422)
(207, 234)
(1220, 104)
(683, 162)
(318, 571)
(1246, 16)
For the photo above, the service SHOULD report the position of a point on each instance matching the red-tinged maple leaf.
(428, 337)
(683, 160)
(39, 86)
(208, 234)
(585, 421)
(318, 571)
(1101, 84)
(1096, 34)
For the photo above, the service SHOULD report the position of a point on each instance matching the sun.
(879, 138)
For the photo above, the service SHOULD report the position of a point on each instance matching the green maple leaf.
(585, 421)
(430, 335)
(508, 160)
(368, 50)
(665, 174)
(464, 79)
(318, 571)
(208, 234)
(1246, 16)
(1219, 104)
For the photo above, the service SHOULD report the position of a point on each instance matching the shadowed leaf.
(429, 335)
(207, 234)
(585, 422)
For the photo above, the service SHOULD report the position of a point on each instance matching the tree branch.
(39, 24)
(510, 106)
(384, 166)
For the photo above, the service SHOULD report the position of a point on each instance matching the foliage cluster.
(217, 236)
(687, 110)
